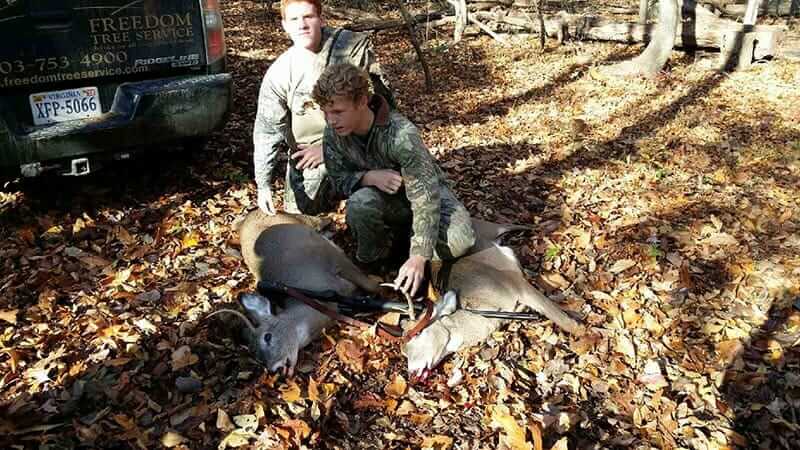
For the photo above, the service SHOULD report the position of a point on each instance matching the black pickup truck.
(87, 81)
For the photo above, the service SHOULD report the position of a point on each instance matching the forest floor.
(665, 215)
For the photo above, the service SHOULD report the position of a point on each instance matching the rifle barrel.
(512, 315)
(366, 304)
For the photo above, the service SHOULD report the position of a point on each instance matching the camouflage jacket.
(286, 112)
(393, 143)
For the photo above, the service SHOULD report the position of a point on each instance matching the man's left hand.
(310, 156)
(410, 275)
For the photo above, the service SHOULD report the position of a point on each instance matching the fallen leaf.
(313, 390)
(121, 277)
(299, 428)
(13, 358)
(95, 261)
(420, 420)
(774, 353)
(397, 388)
(247, 422)
(437, 442)
(675, 259)
(514, 434)
(622, 265)
(390, 318)
(686, 277)
(74, 252)
(183, 357)
(182, 415)
(290, 392)
(26, 234)
(536, 434)
(455, 378)
(190, 239)
(652, 377)
(721, 240)
(145, 325)
(631, 318)
(405, 408)
(9, 315)
(583, 238)
(625, 346)
(117, 362)
(728, 350)
(600, 295)
(555, 280)
(368, 400)
(260, 414)
(172, 439)
(55, 229)
(39, 373)
(652, 325)
(562, 444)
(150, 296)
(734, 332)
(237, 438)
(124, 421)
(78, 226)
(123, 236)
(720, 175)
(351, 354)
(223, 421)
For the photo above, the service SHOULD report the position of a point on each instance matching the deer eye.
(268, 338)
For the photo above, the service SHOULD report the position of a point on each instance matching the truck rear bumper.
(142, 114)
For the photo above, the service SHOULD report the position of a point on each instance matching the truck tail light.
(215, 37)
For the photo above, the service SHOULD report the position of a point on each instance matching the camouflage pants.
(376, 219)
(310, 191)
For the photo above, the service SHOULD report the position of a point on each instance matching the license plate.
(61, 106)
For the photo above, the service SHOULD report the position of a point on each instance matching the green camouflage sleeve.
(421, 179)
(345, 177)
(270, 129)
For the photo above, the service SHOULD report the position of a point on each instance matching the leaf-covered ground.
(665, 213)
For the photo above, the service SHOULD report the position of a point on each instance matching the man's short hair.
(317, 4)
(340, 80)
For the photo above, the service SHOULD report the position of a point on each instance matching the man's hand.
(310, 156)
(388, 181)
(265, 201)
(410, 275)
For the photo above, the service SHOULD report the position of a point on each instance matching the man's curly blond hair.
(340, 80)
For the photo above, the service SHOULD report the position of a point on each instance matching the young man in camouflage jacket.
(376, 158)
(287, 116)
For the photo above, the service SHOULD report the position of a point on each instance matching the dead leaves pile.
(668, 220)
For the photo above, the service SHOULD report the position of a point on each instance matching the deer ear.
(256, 306)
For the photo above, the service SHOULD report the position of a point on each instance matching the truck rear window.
(56, 41)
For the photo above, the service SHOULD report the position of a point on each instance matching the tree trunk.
(412, 34)
(751, 12)
(657, 52)
(542, 31)
(643, 5)
(461, 18)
